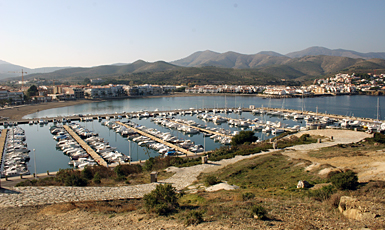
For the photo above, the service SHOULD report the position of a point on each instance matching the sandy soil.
(369, 166)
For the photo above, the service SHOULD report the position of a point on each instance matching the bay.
(48, 158)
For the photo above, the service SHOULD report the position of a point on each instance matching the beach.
(19, 111)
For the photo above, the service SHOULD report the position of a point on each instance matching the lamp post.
(204, 143)
(129, 150)
(34, 161)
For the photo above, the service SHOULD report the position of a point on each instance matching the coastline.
(18, 112)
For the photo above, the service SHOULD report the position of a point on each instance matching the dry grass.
(346, 150)
(105, 207)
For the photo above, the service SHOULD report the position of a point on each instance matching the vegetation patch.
(162, 201)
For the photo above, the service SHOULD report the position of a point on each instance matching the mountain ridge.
(300, 64)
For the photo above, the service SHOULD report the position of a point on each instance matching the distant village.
(337, 85)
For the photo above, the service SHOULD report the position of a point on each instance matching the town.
(340, 84)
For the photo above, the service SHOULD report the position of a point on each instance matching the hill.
(317, 50)
(231, 59)
(106, 71)
(252, 69)
(7, 69)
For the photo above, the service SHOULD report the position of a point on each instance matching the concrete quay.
(97, 158)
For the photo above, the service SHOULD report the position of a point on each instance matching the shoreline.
(18, 112)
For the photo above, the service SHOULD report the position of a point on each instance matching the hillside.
(231, 59)
(208, 67)
(316, 50)
(7, 70)
(252, 69)
(106, 71)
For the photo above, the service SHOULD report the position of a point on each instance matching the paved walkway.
(183, 177)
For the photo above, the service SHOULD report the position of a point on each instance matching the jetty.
(201, 129)
(98, 159)
(177, 148)
(3, 138)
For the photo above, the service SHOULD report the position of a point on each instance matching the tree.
(242, 137)
(32, 91)
(87, 81)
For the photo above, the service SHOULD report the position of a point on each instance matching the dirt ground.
(369, 166)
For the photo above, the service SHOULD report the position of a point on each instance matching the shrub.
(323, 193)
(162, 201)
(87, 173)
(304, 137)
(345, 181)
(242, 137)
(97, 178)
(75, 180)
(149, 164)
(380, 138)
(118, 170)
(194, 218)
(259, 211)
(247, 196)
(211, 180)
(334, 200)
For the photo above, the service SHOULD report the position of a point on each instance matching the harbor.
(199, 129)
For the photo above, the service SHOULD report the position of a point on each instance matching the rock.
(303, 184)
(352, 208)
(221, 186)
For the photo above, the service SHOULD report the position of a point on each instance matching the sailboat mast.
(378, 108)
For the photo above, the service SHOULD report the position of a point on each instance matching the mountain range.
(309, 63)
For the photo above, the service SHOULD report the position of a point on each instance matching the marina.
(196, 129)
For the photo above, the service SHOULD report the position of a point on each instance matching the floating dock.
(97, 158)
(177, 148)
(3, 138)
(201, 129)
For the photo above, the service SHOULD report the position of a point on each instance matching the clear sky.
(36, 33)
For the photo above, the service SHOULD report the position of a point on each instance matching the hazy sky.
(84, 33)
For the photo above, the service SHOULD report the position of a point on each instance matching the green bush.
(304, 137)
(248, 196)
(345, 181)
(380, 138)
(149, 164)
(118, 170)
(75, 180)
(242, 137)
(323, 193)
(97, 178)
(259, 211)
(211, 180)
(194, 218)
(87, 173)
(162, 201)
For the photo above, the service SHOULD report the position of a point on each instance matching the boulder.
(352, 208)
(303, 184)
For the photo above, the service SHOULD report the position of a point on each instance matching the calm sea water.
(359, 106)
(48, 158)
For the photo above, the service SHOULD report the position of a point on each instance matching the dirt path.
(369, 166)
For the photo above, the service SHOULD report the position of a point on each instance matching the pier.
(3, 138)
(157, 113)
(177, 148)
(98, 159)
(201, 129)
